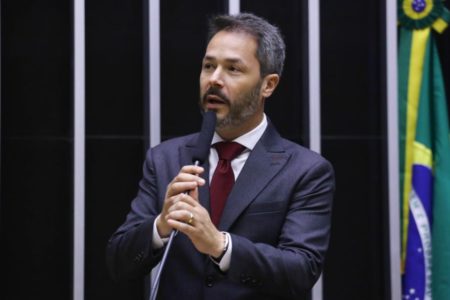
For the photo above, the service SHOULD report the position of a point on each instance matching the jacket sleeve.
(129, 252)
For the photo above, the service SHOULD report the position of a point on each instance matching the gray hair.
(271, 48)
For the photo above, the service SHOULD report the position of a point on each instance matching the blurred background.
(38, 114)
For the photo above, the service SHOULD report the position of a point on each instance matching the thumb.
(194, 194)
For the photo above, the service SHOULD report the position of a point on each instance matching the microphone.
(205, 137)
(200, 154)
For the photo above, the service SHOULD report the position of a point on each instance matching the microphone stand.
(154, 290)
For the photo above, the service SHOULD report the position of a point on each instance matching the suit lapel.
(186, 159)
(264, 162)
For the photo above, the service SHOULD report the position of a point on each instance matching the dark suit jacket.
(278, 215)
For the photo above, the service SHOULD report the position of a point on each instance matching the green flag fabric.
(424, 153)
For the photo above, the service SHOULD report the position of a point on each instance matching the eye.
(208, 66)
(234, 69)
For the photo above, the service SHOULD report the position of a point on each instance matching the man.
(270, 239)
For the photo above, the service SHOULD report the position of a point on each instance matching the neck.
(231, 133)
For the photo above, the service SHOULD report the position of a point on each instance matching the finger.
(183, 177)
(180, 187)
(179, 204)
(188, 199)
(194, 194)
(171, 201)
(190, 221)
(182, 227)
(191, 169)
(184, 216)
(183, 198)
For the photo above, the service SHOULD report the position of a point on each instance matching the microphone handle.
(154, 289)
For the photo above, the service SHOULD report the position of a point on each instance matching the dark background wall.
(115, 131)
(37, 134)
(354, 139)
(36, 149)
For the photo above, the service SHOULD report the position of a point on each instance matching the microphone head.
(201, 151)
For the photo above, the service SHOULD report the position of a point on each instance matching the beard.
(240, 109)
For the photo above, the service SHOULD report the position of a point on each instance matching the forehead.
(230, 44)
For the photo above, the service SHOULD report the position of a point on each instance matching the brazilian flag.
(424, 153)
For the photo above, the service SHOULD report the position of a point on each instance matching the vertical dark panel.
(115, 118)
(183, 42)
(113, 169)
(36, 158)
(353, 114)
(287, 107)
(114, 74)
(443, 43)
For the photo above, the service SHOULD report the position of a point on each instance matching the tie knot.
(228, 150)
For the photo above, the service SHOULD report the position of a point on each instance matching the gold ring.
(191, 218)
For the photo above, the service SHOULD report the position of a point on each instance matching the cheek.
(202, 92)
(205, 76)
(203, 81)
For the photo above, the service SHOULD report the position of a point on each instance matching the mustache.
(213, 91)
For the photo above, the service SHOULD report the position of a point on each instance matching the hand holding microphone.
(181, 207)
(187, 181)
(185, 213)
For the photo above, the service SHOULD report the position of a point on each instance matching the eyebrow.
(229, 60)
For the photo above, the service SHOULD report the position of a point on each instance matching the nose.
(216, 78)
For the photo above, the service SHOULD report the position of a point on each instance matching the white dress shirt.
(248, 140)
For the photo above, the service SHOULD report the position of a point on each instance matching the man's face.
(230, 82)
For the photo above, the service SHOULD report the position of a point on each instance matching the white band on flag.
(424, 229)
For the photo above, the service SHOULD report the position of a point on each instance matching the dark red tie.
(223, 178)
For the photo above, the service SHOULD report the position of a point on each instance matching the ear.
(270, 82)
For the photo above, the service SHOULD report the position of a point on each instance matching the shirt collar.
(248, 139)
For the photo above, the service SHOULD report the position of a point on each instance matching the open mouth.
(213, 99)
